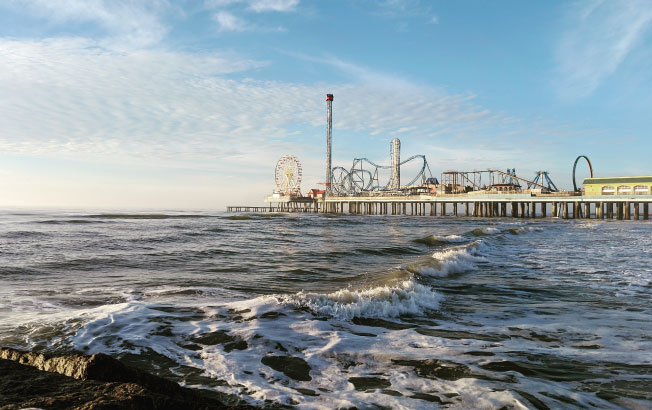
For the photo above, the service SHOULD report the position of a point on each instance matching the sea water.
(321, 311)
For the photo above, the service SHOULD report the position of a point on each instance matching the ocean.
(340, 311)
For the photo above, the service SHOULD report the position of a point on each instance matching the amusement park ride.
(368, 178)
(366, 189)
(288, 176)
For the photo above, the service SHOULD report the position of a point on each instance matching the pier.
(569, 206)
(487, 193)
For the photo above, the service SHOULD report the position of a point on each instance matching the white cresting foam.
(488, 231)
(435, 239)
(451, 238)
(406, 297)
(453, 260)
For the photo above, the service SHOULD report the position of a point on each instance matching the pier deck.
(527, 205)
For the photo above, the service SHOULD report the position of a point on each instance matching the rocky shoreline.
(91, 382)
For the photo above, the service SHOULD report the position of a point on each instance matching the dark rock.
(95, 382)
(293, 367)
(222, 337)
(433, 368)
(369, 383)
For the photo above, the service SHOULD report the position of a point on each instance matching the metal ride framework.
(464, 181)
(288, 175)
(575, 166)
(363, 177)
(543, 177)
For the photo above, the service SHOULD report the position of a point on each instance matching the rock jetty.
(91, 382)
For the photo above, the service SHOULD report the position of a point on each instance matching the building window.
(641, 190)
(608, 190)
(624, 190)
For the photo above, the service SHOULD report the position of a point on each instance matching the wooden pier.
(569, 206)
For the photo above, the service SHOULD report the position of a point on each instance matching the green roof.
(618, 180)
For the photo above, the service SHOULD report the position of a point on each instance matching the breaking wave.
(452, 260)
(522, 229)
(434, 240)
(405, 297)
(484, 231)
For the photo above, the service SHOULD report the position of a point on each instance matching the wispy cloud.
(599, 36)
(273, 5)
(127, 22)
(166, 106)
(228, 22)
(356, 72)
(258, 6)
(402, 9)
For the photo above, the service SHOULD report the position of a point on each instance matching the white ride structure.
(288, 176)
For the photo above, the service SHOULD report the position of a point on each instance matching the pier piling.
(486, 206)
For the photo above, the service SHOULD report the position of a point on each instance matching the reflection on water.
(324, 312)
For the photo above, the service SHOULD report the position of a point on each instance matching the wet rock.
(222, 337)
(433, 368)
(427, 397)
(93, 382)
(307, 392)
(369, 383)
(293, 367)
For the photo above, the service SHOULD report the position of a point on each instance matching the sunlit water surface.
(327, 312)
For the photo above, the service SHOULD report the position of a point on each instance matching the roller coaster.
(363, 176)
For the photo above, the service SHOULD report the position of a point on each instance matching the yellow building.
(618, 186)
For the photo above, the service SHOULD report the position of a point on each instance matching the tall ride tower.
(395, 181)
(329, 129)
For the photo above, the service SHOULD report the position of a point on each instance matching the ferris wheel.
(288, 175)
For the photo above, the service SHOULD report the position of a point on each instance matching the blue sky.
(189, 104)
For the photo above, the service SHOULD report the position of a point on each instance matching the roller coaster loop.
(575, 166)
(359, 179)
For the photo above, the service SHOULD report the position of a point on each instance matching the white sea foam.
(522, 229)
(405, 297)
(453, 260)
(452, 238)
(486, 231)
(326, 346)
(438, 240)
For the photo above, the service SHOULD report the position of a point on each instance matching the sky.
(162, 104)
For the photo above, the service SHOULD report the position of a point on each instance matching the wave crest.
(434, 240)
(485, 231)
(452, 260)
(405, 297)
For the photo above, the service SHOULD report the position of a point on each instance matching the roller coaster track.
(359, 179)
(529, 183)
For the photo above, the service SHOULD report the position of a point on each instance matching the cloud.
(356, 72)
(74, 100)
(71, 98)
(401, 9)
(599, 37)
(258, 6)
(133, 23)
(228, 22)
(273, 5)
